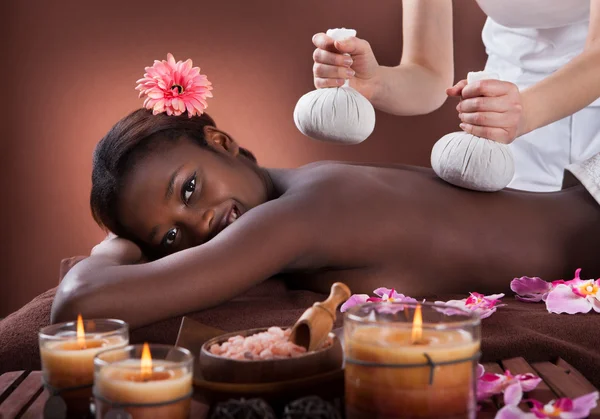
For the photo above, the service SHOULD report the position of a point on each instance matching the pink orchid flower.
(385, 295)
(535, 289)
(575, 296)
(513, 386)
(531, 289)
(563, 408)
(484, 305)
(174, 87)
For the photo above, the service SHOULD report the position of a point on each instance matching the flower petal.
(513, 412)
(488, 385)
(596, 304)
(170, 59)
(564, 403)
(354, 300)
(513, 394)
(582, 405)
(391, 308)
(455, 303)
(382, 291)
(562, 300)
(451, 307)
(485, 313)
(374, 300)
(479, 371)
(528, 382)
(530, 288)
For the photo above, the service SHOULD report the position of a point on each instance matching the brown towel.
(519, 329)
(267, 304)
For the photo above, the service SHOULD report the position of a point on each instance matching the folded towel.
(587, 173)
(269, 303)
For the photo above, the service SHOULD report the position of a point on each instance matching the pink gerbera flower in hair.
(174, 87)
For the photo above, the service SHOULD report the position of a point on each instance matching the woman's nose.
(207, 218)
(200, 223)
(205, 222)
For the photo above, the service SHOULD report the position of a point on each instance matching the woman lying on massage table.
(183, 194)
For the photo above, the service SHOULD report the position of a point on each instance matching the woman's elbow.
(71, 300)
(64, 307)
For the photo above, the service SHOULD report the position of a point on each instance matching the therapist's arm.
(496, 109)
(418, 84)
(571, 88)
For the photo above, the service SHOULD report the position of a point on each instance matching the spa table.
(22, 394)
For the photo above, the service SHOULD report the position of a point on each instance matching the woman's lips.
(229, 217)
(233, 215)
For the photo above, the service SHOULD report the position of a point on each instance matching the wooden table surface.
(22, 395)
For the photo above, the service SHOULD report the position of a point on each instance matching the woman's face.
(180, 195)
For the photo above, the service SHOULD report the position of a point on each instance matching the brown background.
(68, 73)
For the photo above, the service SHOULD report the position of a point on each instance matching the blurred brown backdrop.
(69, 70)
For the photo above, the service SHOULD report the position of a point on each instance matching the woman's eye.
(170, 237)
(188, 189)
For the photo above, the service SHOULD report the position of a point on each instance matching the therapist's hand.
(332, 68)
(491, 109)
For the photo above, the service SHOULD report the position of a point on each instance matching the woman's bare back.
(403, 227)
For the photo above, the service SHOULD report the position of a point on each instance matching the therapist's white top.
(526, 41)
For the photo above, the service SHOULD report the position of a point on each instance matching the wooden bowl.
(216, 368)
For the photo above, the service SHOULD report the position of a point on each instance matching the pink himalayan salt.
(272, 344)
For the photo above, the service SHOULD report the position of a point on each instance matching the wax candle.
(395, 369)
(149, 381)
(67, 353)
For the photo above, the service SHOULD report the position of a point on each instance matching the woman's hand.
(332, 68)
(117, 249)
(491, 109)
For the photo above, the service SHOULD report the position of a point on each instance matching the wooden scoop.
(312, 328)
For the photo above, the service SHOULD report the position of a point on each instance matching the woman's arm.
(417, 85)
(497, 110)
(262, 243)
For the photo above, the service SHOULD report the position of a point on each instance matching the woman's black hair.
(116, 153)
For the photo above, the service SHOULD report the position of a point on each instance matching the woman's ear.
(221, 141)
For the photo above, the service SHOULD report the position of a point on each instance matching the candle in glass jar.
(399, 372)
(67, 353)
(145, 387)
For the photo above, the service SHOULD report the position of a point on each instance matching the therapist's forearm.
(409, 89)
(568, 90)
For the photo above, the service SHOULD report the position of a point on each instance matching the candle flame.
(146, 362)
(80, 333)
(417, 330)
